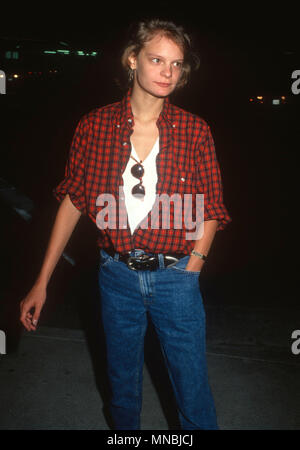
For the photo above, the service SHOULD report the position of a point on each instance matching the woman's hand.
(66, 219)
(35, 300)
(194, 264)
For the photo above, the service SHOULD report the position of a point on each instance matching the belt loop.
(161, 261)
(116, 256)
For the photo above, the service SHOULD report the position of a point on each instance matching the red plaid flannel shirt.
(186, 164)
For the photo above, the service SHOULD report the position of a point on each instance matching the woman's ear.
(132, 61)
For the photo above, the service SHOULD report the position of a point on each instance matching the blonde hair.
(146, 30)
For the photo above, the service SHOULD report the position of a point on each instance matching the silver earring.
(130, 75)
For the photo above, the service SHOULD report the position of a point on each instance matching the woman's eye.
(177, 64)
(156, 60)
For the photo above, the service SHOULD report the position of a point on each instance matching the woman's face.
(158, 66)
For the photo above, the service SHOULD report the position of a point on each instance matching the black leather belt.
(145, 261)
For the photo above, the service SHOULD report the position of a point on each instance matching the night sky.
(247, 26)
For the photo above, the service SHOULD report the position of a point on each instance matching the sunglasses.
(138, 172)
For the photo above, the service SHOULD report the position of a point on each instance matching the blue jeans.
(172, 297)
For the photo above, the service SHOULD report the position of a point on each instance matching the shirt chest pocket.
(182, 181)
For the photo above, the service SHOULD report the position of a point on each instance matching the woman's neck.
(145, 107)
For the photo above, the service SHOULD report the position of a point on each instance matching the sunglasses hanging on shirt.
(137, 171)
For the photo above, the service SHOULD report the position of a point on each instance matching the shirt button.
(173, 125)
(125, 143)
(182, 179)
(118, 126)
(129, 120)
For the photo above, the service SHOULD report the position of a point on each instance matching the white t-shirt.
(138, 209)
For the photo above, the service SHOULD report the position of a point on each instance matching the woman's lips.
(163, 84)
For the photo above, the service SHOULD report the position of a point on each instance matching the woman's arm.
(66, 219)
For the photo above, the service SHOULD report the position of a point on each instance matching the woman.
(132, 156)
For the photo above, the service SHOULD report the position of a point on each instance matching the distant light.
(1, 75)
(11, 55)
(81, 53)
(259, 97)
(275, 101)
(283, 97)
(16, 75)
(65, 52)
(251, 100)
(50, 51)
(94, 54)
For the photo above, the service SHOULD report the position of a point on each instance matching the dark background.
(244, 53)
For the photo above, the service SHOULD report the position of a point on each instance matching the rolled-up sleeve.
(75, 169)
(210, 181)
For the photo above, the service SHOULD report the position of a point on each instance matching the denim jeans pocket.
(105, 258)
(180, 267)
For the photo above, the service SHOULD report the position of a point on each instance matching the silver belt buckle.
(171, 258)
(132, 259)
(130, 262)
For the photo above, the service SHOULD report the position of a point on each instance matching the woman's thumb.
(36, 315)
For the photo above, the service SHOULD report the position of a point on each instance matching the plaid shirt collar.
(125, 115)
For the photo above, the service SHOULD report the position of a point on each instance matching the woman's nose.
(167, 71)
